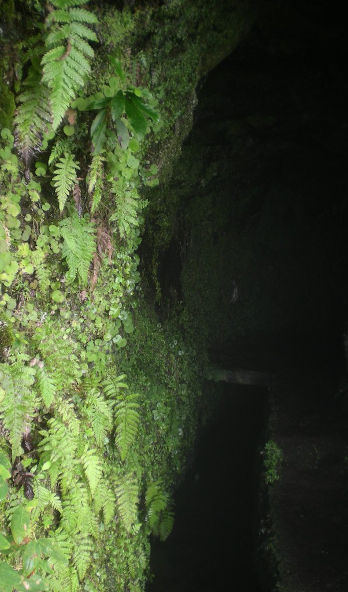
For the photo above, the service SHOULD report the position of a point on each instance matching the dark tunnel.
(259, 257)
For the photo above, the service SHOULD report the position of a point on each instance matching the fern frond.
(127, 423)
(33, 115)
(128, 206)
(47, 387)
(65, 66)
(127, 494)
(60, 146)
(79, 247)
(166, 525)
(19, 403)
(92, 468)
(82, 555)
(44, 497)
(104, 499)
(113, 386)
(64, 178)
(76, 510)
(99, 414)
(156, 502)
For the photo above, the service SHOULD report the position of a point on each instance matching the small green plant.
(273, 457)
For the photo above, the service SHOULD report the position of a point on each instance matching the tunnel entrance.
(260, 264)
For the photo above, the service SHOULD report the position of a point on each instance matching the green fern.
(60, 147)
(66, 63)
(127, 423)
(128, 206)
(104, 499)
(156, 502)
(64, 178)
(47, 387)
(93, 469)
(79, 247)
(19, 402)
(127, 494)
(166, 525)
(98, 412)
(33, 114)
(82, 555)
(161, 519)
(114, 385)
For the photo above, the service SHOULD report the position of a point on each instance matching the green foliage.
(127, 423)
(66, 63)
(66, 341)
(33, 117)
(64, 178)
(127, 495)
(19, 402)
(78, 248)
(273, 457)
(47, 387)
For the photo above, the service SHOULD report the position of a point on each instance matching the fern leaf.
(127, 494)
(18, 405)
(127, 423)
(156, 502)
(82, 46)
(128, 206)
(113, 386)
(166, 525)
(47, 387)
(82, 555)
(93, 469)
(33, 114)
(64, 178)
(65, 66)
(104, 499)
(83, 16)
(99, 414)
(79, 247)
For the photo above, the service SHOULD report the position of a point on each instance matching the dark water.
(211, 546)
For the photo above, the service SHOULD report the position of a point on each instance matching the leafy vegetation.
(98, 399)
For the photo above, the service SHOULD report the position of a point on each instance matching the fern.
(93, 469)
(161, 519)
(114, 385)
(64, 178)
(127, 423)
(128, 205)
(99, 414)
(66, 63)
(60, 146)
(127, 494)
(82, 555)
(156, 502)
(78, 248)
(44, 497)
(166, 525)
(47, 387)
(18, 405)
(104, 499)
(33, 114)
